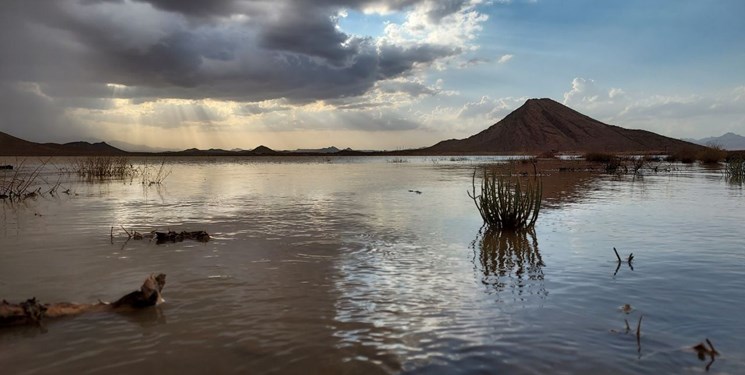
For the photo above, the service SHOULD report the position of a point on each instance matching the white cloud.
(454, 24)
(679, 116)
(489, 110)
(505, 58)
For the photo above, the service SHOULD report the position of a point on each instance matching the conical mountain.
(542, 125)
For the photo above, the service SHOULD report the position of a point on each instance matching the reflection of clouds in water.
(511, 261)
(398, 298)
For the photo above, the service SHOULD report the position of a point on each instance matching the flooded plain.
(366, 266)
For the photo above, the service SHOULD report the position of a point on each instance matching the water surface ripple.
(338, 265)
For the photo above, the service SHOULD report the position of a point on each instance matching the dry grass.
(712, 155)
(685, 156)
(154, 176)
(104, 167)
(599, 157)
(19, 185)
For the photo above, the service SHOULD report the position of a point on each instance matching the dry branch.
(33, 312)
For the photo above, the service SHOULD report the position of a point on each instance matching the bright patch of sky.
(370, 24)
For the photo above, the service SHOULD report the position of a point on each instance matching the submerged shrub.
(504, 202)
(686, 156)
(712, 155)
(599, 157)
(547, 155)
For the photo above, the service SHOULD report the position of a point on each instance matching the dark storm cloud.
(443, 8)
(202, 8)
(195, 7)
(242, 50)
(310, 35)
(26, 114)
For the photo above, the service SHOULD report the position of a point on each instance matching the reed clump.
(506, 203)
(103, 167)
(154, 176)
(735, 169)
(611, 163)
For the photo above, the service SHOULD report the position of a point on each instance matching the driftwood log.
(33, 312)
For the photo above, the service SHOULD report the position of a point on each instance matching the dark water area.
(337, 265)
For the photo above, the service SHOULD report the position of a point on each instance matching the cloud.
(410, 87)
(583, 91)
(504, 59)
(82, 54)
(291, 50)
(673, 115)
(251, 109)
(32, 115)
(195, 7)
(488, 109)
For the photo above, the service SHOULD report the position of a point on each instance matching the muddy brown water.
(331, 265)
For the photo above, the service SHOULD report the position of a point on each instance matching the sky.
(365, 74)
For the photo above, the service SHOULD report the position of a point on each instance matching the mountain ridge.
(728, 141)
(13, 146)
(538, 126)
(542, 125)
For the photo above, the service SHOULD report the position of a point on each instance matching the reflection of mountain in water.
(510, 260)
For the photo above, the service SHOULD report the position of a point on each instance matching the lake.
(336, 265)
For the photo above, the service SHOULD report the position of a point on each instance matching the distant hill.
(538, 126)
(12, 146)
(728, 141)
(263, 150)
(132, 147)
(542, 125)
(325, 150)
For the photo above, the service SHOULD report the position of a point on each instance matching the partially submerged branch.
(163, 237)
(32, 312)
(628, 261)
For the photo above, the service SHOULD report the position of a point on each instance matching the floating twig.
(639, 334)
(617, 256)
